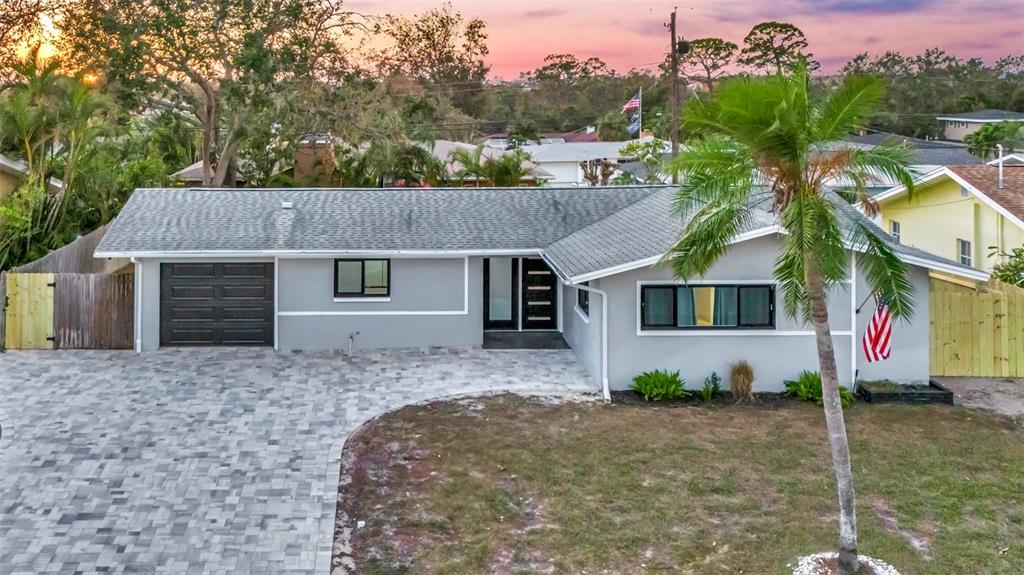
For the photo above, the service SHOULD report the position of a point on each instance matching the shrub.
(659, 385)
(712, 387)
(808, 388)
(741, 381)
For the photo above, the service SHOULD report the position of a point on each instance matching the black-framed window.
(362, 278)
(665, 307)
(583, 300)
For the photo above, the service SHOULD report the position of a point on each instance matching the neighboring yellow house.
(958, 126)
(960, 213)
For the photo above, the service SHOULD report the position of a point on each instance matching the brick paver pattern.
(209, 461)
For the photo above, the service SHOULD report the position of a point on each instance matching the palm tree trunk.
(837, 441)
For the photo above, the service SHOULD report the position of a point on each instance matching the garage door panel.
(243, 271)
(189, 270)
(217, 304)
(245, 292)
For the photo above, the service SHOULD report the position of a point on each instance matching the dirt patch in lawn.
(509, 485)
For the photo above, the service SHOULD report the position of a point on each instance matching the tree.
(611, 127)
(768, 141)
(19, 24)
(1011, 269)
(598, 172)
(775, 47)
(440, 49)
(650, 154)
(709, 57)
(218, 61)
(983, 142)
(501, 169)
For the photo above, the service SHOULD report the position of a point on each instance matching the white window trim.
(581, 313)
(640, 332)
(361, 299)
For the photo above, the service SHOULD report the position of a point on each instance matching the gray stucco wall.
(775, 355)
(909, 360)
(427, 306)
(583, 335)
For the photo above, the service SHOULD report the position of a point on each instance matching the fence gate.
(977, 333)
(29, 311)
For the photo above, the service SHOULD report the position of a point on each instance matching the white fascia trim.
(650, 261)
(315, 253)
(937, 266)
(900, 190)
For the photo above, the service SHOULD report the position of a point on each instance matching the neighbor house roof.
(576, 152)
(193, 174)
(1014, 160)
(442, 150)
(583, 233)
(982, 181)
(985, 116)
(18, 169)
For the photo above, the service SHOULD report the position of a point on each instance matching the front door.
(501, 293)
(540, 295)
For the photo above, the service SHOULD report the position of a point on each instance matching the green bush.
(660, 385)
(808, 388)
(712, 387)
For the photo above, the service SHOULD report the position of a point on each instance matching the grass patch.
(510, 485)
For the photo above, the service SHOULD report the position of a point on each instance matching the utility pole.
(675, 104)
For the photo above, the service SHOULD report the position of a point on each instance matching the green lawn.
(510, 485)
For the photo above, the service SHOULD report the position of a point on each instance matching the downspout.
(138, 304)
(605, 392)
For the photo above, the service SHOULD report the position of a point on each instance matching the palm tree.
(769, 142)
(504, 169)
(983, 142)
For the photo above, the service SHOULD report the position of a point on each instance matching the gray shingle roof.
(643, 230)
(647, 229)
(194, 220)
(580, 230)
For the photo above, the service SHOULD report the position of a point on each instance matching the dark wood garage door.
(216, 304)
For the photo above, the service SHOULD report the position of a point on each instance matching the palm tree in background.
(769, 142)
(503, 169)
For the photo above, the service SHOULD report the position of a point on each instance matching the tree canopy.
(776, 47)
(708, 59)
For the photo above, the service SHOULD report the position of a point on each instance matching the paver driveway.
(217, 461)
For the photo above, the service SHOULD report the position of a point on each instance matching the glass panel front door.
(500, 301)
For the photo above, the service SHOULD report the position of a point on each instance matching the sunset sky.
(630, 33)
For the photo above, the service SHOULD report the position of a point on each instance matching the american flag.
(878, 336)
(632, 104)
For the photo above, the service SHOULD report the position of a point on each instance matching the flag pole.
(640, 130)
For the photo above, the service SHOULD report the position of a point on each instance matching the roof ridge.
(618, 211)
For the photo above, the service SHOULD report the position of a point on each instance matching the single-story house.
(563, 160)
(958, 126)
(308, 269)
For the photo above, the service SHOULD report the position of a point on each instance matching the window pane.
(583, 299)
(349, 280)
(686, 312)
(725, 306)
(499, 289)
(658, 306)
(376, 274)
(755, 306)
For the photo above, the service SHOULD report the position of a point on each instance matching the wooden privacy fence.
(977, 333)
(69, 311)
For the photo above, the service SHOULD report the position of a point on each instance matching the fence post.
(3, 312)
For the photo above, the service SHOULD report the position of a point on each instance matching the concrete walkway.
(212, 461)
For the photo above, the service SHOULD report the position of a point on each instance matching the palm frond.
(706, 238)
(848, 108)
(885, 273)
